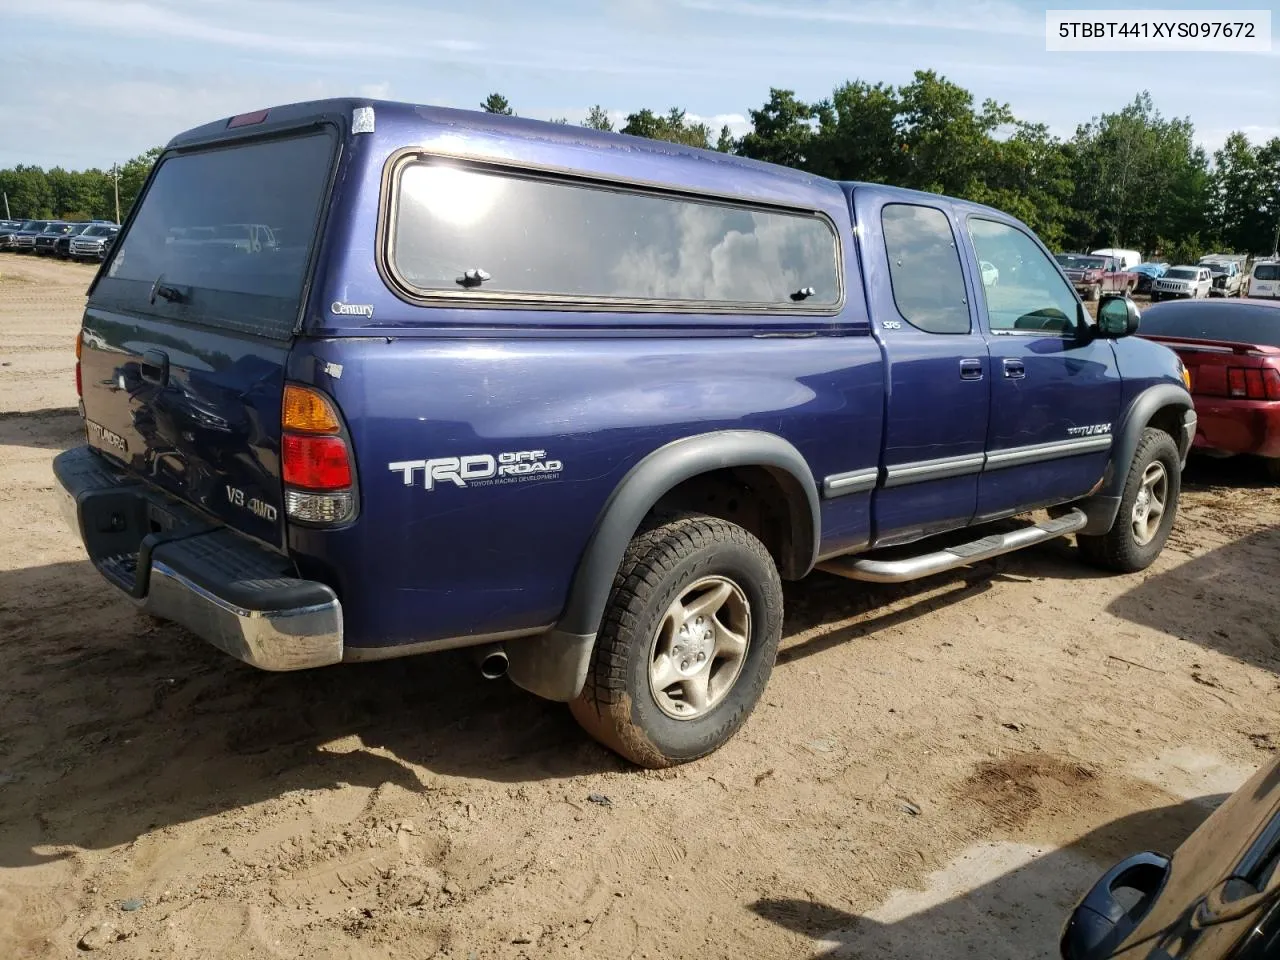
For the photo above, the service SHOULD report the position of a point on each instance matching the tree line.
(1133, 178)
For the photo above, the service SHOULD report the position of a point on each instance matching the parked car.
(24, 240)
(1148, 273)
(224, 238)
(1183, 282)
(1264, 280)
(518, 423)
(47, 237)
(1127, 259)
(1226, 277)
(8, 233)
(990, 275)
(94, 242)
(1232, 353)
(1093, 276)
(62, 245)
(1216, 898)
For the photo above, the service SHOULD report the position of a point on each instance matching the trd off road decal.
(479, 470)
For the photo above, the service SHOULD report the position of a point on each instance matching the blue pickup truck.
(364, 379)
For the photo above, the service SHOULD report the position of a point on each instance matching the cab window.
(1030, 295)
(924, 268)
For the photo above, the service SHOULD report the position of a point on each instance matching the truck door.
(937, 376)
(1055, 389)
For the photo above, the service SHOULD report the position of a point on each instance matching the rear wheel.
(1273, 468)
(1148, 508)
(688, 642)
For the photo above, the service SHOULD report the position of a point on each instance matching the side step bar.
(926, 565)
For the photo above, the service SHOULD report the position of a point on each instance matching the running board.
(926, 565)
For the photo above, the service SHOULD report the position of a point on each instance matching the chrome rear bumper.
(232, 592)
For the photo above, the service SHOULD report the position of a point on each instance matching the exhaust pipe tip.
(492, 660)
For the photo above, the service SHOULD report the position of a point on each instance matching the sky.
(92, 82)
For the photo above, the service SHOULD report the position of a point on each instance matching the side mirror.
(1117, 317)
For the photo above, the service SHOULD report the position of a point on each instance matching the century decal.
(1092, 430)
(478, 469)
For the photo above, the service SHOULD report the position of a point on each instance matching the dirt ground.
(936, 769)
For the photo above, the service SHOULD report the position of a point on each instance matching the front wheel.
(1148, 507)
(688, 641)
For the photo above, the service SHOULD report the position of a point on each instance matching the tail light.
(79, 350)
(1253, 383)
(315, 458)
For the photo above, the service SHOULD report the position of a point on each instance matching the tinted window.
(1209, 320)
(208, 225)
(545, 238)
(1071, 261)
(1031, 294)
(1181, 274)
(924, 267)
(1267, 271)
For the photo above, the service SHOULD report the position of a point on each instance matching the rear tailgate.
(188, 328)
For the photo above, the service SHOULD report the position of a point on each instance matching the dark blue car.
(364, 379)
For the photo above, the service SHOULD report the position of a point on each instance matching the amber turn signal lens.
(79, 343)
(308, 411)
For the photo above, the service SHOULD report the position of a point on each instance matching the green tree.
(781, 131)
(673, 127)
(858, 135)
(1139, 177)
(598, 119)
(30, 196)
(497, 103)
(725, 143)
(1269, 193)
(133, 174)
(1240, 196)
(948, 143)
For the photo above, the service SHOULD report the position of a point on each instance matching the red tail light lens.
(1254, 383)
(1271, 380)
(1235, 382)
(315, 463)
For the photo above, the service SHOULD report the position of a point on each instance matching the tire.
(1122, 549)
(1273, 469)
(677, 564)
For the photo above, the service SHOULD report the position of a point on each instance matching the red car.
(1232, 351)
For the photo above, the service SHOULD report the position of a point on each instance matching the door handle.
(971, 369)
(154, 367)
(1014, 370)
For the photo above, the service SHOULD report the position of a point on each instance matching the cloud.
(375, 91)
(284, 32)
(986, 17)
(75, 131)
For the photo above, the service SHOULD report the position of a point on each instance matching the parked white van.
(1128, 259)
(1264, 280)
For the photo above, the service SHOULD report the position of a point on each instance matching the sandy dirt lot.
(936, 770)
